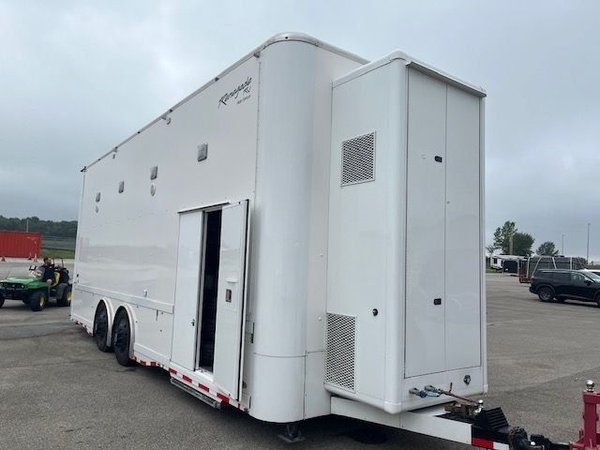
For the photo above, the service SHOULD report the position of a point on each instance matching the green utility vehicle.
(36, 293)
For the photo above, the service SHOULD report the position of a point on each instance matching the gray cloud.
(77, 77)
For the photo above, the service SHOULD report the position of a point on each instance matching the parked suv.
(561, 285)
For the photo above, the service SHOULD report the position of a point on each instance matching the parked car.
(562, 284)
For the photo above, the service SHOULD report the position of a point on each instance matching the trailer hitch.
(490, 426)
(518, 440)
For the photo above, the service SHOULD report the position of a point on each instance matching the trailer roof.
(281, 37)
(420, 66)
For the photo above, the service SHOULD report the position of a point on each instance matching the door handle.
(437, 301)
(193, 322)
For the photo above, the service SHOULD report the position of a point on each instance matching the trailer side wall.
(127, 241)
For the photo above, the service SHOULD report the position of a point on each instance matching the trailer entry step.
(199, 395)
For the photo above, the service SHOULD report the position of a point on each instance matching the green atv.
(36, 293)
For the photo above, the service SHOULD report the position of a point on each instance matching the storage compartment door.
(230, 298)
(187, 283)
(425, 302)
(463, 234)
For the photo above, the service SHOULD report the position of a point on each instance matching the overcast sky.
(77, 77)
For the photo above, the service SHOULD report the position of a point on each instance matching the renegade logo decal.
(243, 89)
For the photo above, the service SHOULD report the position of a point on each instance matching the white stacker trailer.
(284, 240)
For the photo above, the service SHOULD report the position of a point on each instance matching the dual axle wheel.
(121, 334)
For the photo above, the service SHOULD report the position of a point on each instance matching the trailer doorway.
(210, 293)
(207, 298)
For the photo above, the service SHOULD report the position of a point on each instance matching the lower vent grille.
(341, 340)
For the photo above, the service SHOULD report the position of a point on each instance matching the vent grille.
(339, 370)
(358, 159)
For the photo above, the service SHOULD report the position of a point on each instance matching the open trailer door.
(230, 298)
(186, 288)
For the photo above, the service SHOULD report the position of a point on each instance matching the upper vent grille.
(339, 366)
(358, 159)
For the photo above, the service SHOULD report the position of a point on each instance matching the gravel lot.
(58, 391)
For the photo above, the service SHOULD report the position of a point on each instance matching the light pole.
(587, 255)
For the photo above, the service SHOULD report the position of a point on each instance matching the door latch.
(193, 322)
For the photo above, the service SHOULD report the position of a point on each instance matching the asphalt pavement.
(57, 391)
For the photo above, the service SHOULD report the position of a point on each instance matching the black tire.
(38, 300)
(101, 328)
(545, 293)
(66, 297)
(597, 299)
(1, 301)
(122, 338)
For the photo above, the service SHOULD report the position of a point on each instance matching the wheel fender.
(132, 324)
(110, 308)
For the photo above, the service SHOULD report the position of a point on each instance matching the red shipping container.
(20, 244)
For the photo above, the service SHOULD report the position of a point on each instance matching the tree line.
(63, 228)
(510, 241)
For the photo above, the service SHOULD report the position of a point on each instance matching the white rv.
(284, 239)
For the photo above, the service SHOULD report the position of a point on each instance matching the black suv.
(566, 284)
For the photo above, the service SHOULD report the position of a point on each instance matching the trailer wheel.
(545, 293)
(38, 300)
(122, 338)
(101, 328)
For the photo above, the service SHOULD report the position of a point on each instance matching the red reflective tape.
(153, 364)
(482, 443)
(186, 378)
(142, 362)
(173, 371)
(204, 388)
(223, 398)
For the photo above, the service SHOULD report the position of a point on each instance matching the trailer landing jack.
(292, 433)
(588, 434)
(589, 438)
